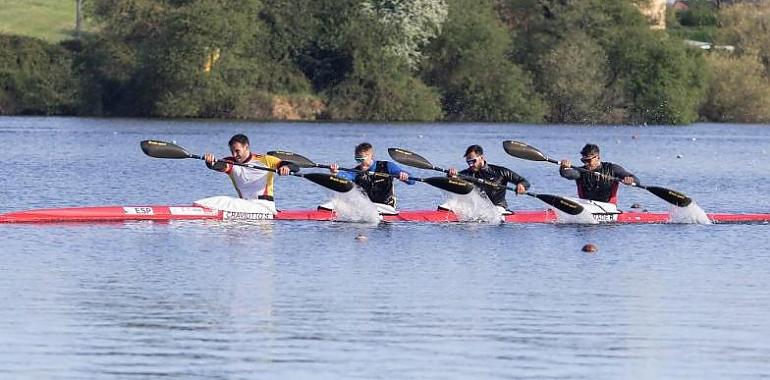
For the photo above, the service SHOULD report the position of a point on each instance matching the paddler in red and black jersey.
(478, 167)
(596, 184)
(379, 188)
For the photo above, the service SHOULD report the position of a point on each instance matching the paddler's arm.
(522, 185)
(627, 177)
(566, 170)
(284, 167)
(335, 169)
(213, 164)
(281, 167)
(396, 170)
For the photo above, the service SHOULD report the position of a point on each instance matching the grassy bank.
(51, 20)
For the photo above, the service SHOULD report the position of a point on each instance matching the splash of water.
(355, 206)
(692, 214)
(473, 207)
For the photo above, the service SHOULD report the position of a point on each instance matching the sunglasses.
(471, 161)
(360, 159)
(586, 160)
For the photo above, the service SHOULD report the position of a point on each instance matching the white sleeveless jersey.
(254, 183)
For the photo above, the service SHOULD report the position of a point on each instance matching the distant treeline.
(588, 61)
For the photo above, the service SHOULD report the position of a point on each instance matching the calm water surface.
(306, 300)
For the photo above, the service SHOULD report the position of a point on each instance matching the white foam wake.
(692, 214)
(473, 207)
(355, 206)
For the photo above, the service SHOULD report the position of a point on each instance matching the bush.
(745, 26)
(469, 63)
(380, 85)
(663, 80)
(575, 76)
(738, 90)
(393, 97)
(699, 13)
(35, 77)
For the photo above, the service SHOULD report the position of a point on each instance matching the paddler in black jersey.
(374, 177)
(595, 183)
(498, 175)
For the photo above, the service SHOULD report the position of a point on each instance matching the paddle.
(527, 152)
(452, 185)
(415, 160)
(162, 149)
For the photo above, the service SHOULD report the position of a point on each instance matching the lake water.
(307, 300)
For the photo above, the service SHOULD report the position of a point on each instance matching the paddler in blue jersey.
(378, 187)
(595, 183)
(498, 175)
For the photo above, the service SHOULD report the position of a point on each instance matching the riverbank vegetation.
(591, 61)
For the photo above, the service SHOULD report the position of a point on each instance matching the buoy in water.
(361, 237)
(590, 248)
(636, 205)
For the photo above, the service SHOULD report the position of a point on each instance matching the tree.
(379, 85)
(575, 76)
(35, 77)
(651, 78)
(193, 57)
(664, 81)
(412, 23)
(469, 63)
(746, 26)
(738, 90)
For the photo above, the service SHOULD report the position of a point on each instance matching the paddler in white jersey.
(254, 186)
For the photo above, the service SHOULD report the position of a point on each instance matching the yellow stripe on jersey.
(254, 183)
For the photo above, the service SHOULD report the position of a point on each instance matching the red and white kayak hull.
(169, 213)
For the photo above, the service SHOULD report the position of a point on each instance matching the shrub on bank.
(35, 77)
(738, 90)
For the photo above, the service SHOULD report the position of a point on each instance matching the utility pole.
(78, 17)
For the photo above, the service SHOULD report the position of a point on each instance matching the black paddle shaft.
(453, 186)
(162, 149)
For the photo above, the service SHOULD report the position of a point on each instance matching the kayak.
(171, 213)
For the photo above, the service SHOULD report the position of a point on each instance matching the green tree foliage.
(380, 85)
(105, 69)
(738, 90)
(651, 78)
(193, 58)
(576, 92)
(469, 63)
(300, 39)
(35, 77)
(663, 80)
(349, 50)
(588, 61)
(413, 23)
(698, 22)
(314, 37)
(698, 13)
(203, 60)
(747, 27)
